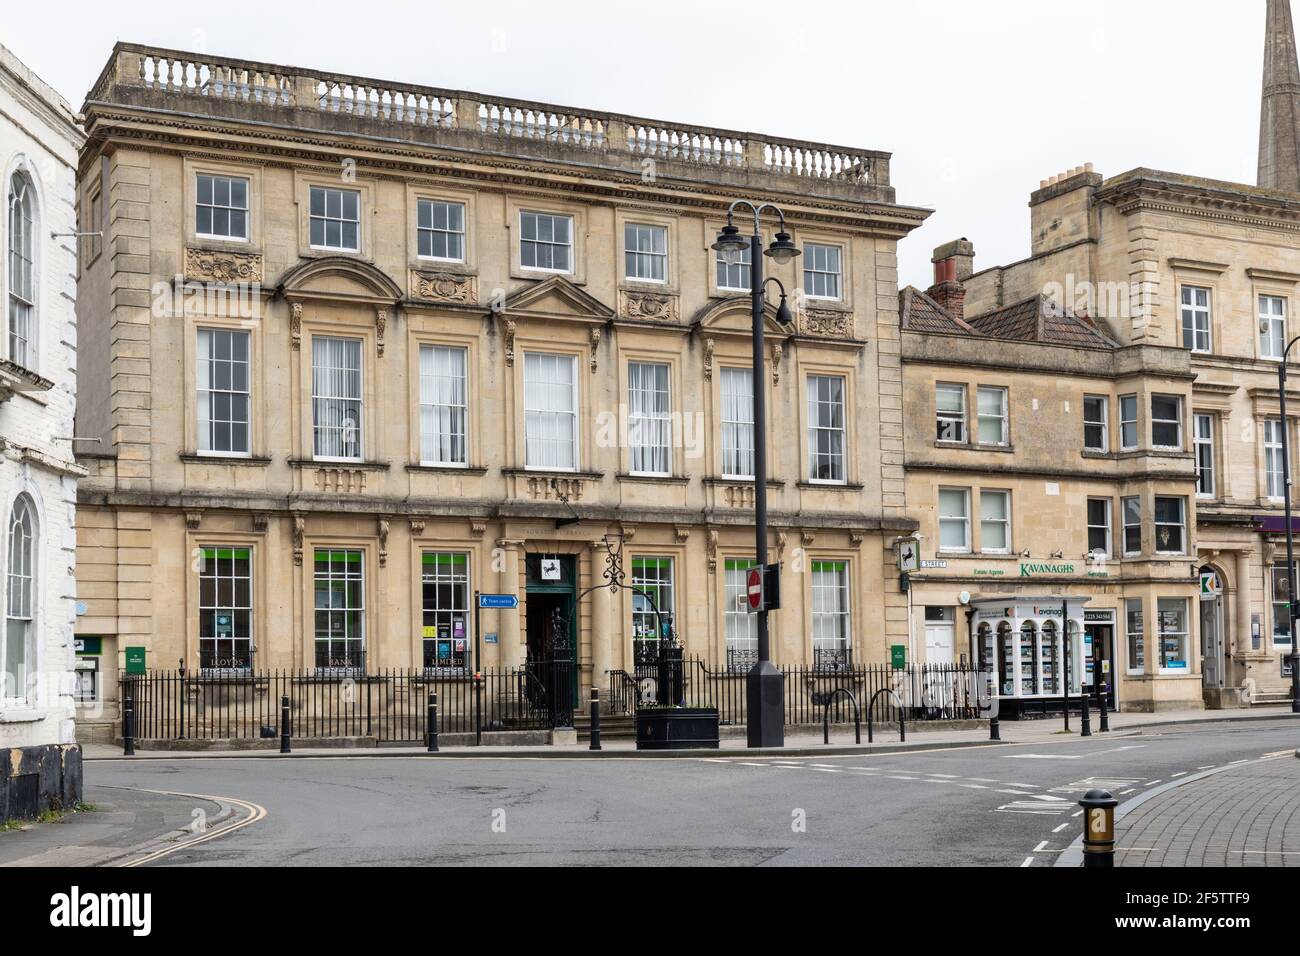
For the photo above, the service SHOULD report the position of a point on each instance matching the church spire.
(1279, 121)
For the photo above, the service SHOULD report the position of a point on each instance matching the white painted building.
(40, 764)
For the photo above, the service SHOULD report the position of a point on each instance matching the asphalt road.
(1010, 805)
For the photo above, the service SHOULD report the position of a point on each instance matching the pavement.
(975, 804)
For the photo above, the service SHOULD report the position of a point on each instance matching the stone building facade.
(358, 349)
(40, 763)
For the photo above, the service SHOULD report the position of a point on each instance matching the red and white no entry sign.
(754, 585)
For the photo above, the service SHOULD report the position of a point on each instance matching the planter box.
(677, 728)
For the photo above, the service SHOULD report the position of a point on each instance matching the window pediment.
(557, 298)
(340, 278)
(734, 317)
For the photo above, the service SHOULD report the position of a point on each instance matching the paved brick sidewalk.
(1243, 816)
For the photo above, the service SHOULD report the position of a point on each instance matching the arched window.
(22, 278)
(20, 601)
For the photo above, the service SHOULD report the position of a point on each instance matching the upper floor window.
(995, 521)
(649, 419)
(223, 392)
(826, 428)
(991, 409)
(645, 252)
(1131, 509)
(821, 271)
(221, 208)
(546, 242)
(1273, 458)
(550, 411)
(1171, 525)
(440, 230)
(16, 647)
(1095, 425)
(1128, 422)
(735, 277)
(954, 519)
(335, 219)
(1272, 326)
(1204, 435)
(443, 408)
(1166, 421)
(336, 397)
(1099, 529)
(737, 423)
(22, 279)
(950, 412)
(1196, 318)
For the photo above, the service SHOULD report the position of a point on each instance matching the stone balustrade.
(135, 69)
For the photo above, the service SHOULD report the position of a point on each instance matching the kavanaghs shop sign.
(1033, 570)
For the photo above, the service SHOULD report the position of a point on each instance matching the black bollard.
(478, 710)
(128, 724)
(995, 731)
(595, 719)
(1085, 722)
(433, 723)
(1101, 707)
(286, 731)
(1098, 828)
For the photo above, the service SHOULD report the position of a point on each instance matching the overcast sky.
(978, 100)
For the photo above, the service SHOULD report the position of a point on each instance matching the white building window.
(737, 423)
(652, 579)
(1204, 436)
(734, 278)
(22, 269)
(1131, 509)
(336, 398)
(1272, 326)
(826, 428)
(225, 608)
(831, 620)
(1172, 613)
(223, 392)
(954, 519)
(1196, 318)
(1273, 458)
(649, 418)
(1099, 527)
(443, 410)
(17, 651)
(742, 627)
(221, 207)
(1096, 427)
(645, 252)
(335, 219)
(440, 230)
(339, 580)
(1171, 525)
(550, 411)
(1166, 421)
(991, 410)
(995, 522)
(1128, 422)
(950, 413)
(546, 242)
(821, 271)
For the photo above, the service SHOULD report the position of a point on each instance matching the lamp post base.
(765, 705)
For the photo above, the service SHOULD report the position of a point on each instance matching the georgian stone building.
(358, 349)
(1159, 264)
(40, 764)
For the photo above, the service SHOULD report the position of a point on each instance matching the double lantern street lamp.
(764, 684)
(1293, 607)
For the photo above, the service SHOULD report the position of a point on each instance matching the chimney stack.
(954, 263)
(1279, 119)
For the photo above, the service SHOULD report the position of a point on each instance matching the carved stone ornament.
(509, 327)
(656, 306)
(299, 530)
(595, 346)
(193, 519)
(477, 528)
(443, 287)
(712, 548)
(381, 323)
(295, 324)
(261, 521)
(383, 542)
(778, 350)
(207, 266)
(708, 358)
(417, 527)
(828, 323)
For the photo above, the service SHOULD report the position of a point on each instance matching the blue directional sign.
(498, 600)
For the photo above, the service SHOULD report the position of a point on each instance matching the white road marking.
(1208, 766)
(1049, 797)
(1181, 773)
(1040, 848)
(826, 769)
(1045, 756)
(1060, 828)
(744, 763)
(946, 776)
(1125, 793)
(1077, 813)
(1030, 806)
(973, 786)
(1151, 783)
(1018, 793)
(1029, 861)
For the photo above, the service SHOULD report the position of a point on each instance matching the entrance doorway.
(940, 638)
(551, 625)
(1212, 643)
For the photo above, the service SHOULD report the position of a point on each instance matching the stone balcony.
(334, 105)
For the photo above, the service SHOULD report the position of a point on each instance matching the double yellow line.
(253, 813)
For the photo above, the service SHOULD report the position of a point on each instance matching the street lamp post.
(1290, 532)
(764, 684)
